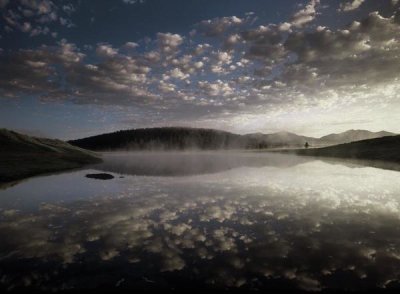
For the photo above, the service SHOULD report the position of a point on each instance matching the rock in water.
(100, 176)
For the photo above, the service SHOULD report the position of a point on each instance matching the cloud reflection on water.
(311, 226)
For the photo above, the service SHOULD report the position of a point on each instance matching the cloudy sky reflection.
(310, 226)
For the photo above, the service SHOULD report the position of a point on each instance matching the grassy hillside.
(23, 156)
(384, 149)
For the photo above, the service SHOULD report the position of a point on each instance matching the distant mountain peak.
(353, 135)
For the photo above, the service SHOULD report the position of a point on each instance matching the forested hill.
(179, 138)
(167, 138)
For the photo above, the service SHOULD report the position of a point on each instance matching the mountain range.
(179, 138)
(352, 136)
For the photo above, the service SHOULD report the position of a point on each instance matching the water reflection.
(191, 163)
(311, 226)
(70, 186)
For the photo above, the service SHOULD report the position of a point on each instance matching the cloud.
(106, 50)
(265, 43)
(219, 88)
(231, 41)
(133, 1)
(350, 5)
(218, 26)
(305, 15)
(131, 45)
(242, 73)
(176, 73)
(69, 8)
(304, 69)
(201, 49)
(364, 52)
(33, 71)
(34, 16)
(166, 87)
(169, 43)
(27, 72)
(3, 3)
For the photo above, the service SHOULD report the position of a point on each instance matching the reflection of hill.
(361, 163)
(191, 163)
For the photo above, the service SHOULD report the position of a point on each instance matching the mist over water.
(175, 163)
(207, 220)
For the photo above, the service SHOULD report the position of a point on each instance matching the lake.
(213, 220)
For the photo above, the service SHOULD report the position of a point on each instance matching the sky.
(75, 68)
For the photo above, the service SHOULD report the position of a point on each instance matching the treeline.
(168, 138)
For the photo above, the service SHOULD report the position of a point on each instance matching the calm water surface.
(205, 220)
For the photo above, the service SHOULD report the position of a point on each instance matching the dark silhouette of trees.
(171, 138)
(176, 138)
(306, 145)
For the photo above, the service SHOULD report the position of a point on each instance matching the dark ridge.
(180, 138)
(171, 138)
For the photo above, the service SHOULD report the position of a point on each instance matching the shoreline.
(17, 167)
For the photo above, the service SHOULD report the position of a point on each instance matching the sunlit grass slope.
(23, 156)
